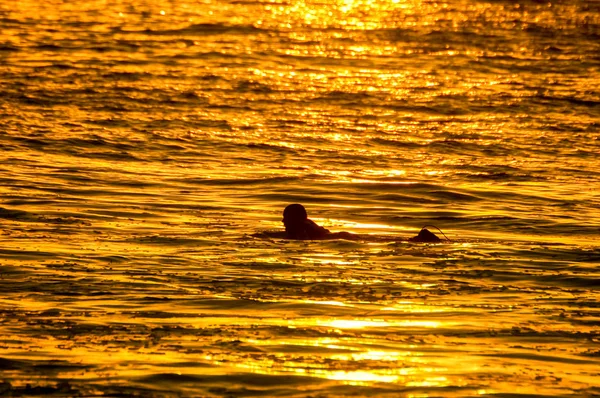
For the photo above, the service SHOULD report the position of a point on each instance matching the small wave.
(205, 29)
(159, 314)
(26, 255)
(271, 147)
(8, 48)
(504, 176)
(572, 281)
(237, 181)
(25, 216)
(126, 76)
(118, 156)
(542, 358)
(172, 241)
(17, 215)
(257, 265)
(50, 47)
(395, 143)
(400, 198)
(570, 100)
(392, 185)
(52, 366)
(208, 55)
(345, 97)
(454, 196)
(252, 86)
(235, 384)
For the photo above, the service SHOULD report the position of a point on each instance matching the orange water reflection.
(347, 14)
(138, 266)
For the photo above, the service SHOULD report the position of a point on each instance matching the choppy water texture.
(143, 143)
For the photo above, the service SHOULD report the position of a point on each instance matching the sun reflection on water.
(346, 14)
(360, 324)
(131, 118)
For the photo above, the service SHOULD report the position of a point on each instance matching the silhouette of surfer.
(299, 226)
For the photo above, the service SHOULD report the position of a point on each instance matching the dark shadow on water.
(352, 237)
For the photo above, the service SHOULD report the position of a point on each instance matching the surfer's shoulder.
(425, 236)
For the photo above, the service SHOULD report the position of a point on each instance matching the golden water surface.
(144, 144)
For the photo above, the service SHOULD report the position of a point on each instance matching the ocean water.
(147, 149)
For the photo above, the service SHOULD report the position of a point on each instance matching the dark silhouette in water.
(299, 226)
(425, 235)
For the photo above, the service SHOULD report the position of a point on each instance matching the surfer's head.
(294, 217)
